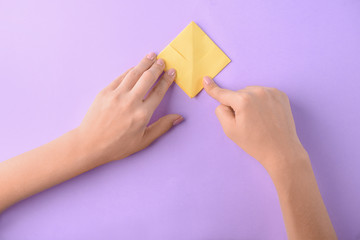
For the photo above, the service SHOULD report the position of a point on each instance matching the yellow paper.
(193, 55)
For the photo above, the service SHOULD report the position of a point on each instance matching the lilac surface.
(193, 183)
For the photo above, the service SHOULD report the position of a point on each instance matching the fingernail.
(208, 80)
(151, 56)
(160, 61)
(171, 72)
(178, 121)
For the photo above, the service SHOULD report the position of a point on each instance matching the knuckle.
(260, 91)
(278, 93)
(159, 91)
(125, 104)
(218, 110)
(212, 89)
(215, 90)
(257, 90)
(162, 87)
(244, 100)
(149, 74)
(135, 73)
(140, 115)
(102, 93)
(244, 97)
(275, 91)
(168, 80)
(158, 70)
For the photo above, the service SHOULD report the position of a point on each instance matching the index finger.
(222, 95)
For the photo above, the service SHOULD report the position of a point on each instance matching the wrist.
(289, 164)
(87, 155)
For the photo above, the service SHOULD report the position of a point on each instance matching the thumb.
(160, 127)
(224, 96)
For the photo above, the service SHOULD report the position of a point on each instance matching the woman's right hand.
(259, 120)
(117, 123)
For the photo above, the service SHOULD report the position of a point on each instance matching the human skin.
(259, 120)
(114, 127)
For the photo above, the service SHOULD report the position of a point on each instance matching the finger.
(224, 96)
(149, 77)
(116, 82)
(133, 76)
(226, 117)
(158, 92)
(160, 127)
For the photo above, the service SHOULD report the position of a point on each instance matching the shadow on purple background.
(193, 183)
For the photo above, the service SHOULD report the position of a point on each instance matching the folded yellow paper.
(193, 55)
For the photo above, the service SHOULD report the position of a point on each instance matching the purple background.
(193, 183)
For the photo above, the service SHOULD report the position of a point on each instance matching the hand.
(259, 120)
(116, 124)
(114, 127)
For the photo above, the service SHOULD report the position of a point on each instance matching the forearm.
(115, 126)
(304, 212)
(42, 168)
